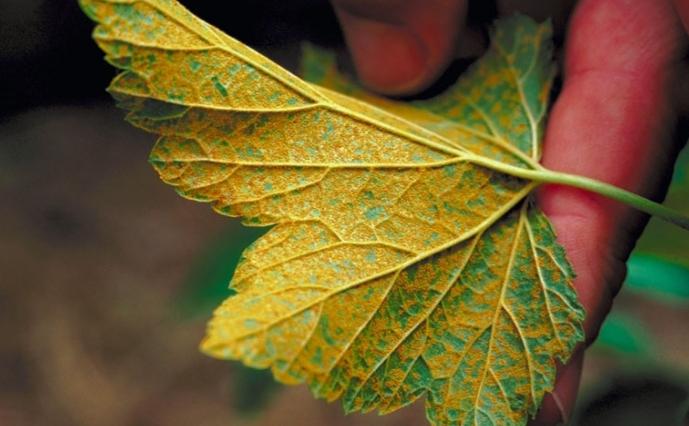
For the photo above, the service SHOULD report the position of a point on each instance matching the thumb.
(400, 46)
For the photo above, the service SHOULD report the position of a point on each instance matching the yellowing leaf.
(439, 115)
(400, 263)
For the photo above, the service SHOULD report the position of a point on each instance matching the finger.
(400, 46)
(609, 123)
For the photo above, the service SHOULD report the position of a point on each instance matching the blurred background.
(107, 276)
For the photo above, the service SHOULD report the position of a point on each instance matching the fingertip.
(389, 58)
(400, 47)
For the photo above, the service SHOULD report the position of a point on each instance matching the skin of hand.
(610, 122)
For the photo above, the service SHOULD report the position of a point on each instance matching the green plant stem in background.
(543, 175)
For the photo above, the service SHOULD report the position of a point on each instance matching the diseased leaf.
(397, 266)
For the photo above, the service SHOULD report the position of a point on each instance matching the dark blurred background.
(107, 276)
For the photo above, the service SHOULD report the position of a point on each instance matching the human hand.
(612, 122)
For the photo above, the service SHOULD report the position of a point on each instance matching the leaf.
(400, 263)
(658, 278)
(439, 115)
(626, 335)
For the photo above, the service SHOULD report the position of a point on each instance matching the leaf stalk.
(546, 176)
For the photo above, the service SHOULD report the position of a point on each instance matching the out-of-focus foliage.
(659, 278)
(626, 335)
(207, 283)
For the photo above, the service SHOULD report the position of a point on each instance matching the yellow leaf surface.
(398, 263)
